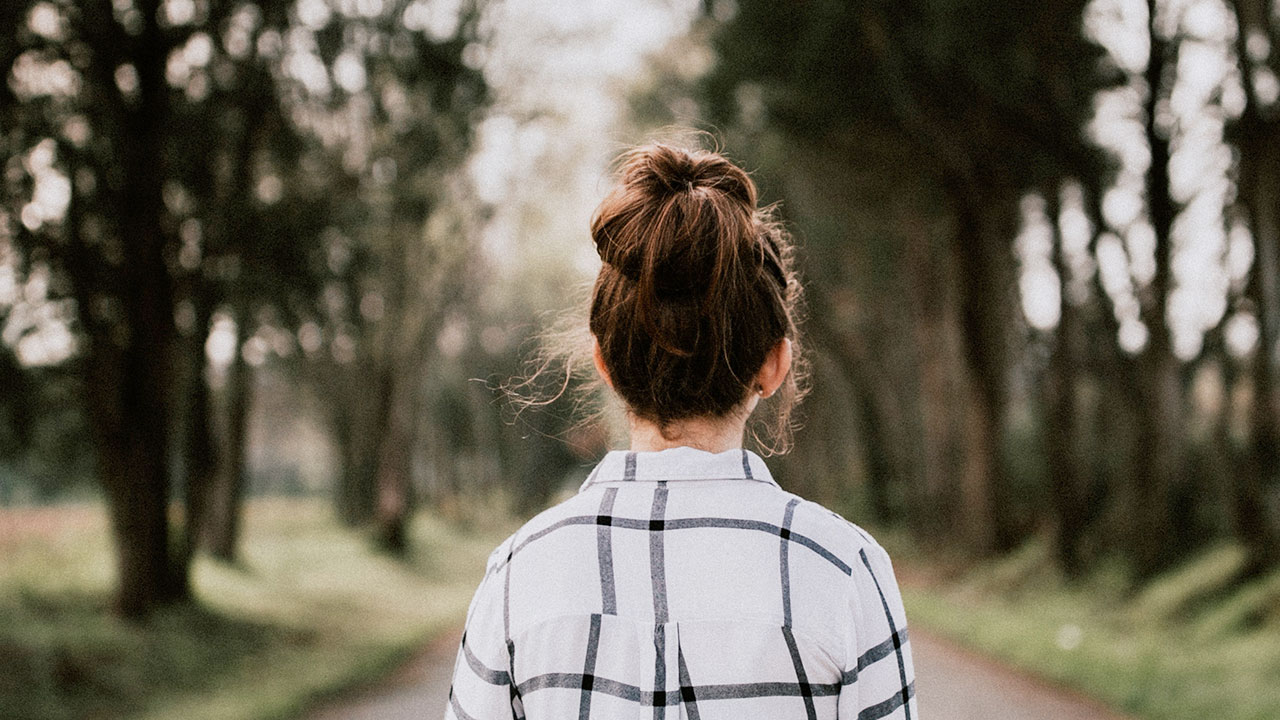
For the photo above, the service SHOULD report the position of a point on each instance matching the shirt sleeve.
(879, 679)
(482, 686)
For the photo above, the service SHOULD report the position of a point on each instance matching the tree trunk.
(1112, 416)
(942, 378)
(129, 402)
(1157, 460)
(353, 497)
(1254, 523)
(875, 426)
(394, 474)
(1243, 479)
(200, 449)
(897, 402)
(134, 471)
(981, 251)
(226, 504)
(1259, 194)
(359, 423)
(1157, 456)
(1061, 431)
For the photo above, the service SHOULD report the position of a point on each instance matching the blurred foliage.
(226, 218)
(44, 450)
(1192, 644)
(272, 617)
(912, 146)
(193, 188)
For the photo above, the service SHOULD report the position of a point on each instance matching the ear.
(776, 366)
(598, 358)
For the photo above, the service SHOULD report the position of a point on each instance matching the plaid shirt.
(679, 584)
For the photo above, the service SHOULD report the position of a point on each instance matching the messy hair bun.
(695, 288)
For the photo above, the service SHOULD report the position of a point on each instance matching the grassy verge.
(310, 610)
(1188, 646)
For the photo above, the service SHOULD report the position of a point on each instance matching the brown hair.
(696, 287)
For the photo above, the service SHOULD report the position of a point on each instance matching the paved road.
(417, 691)
(953, 684)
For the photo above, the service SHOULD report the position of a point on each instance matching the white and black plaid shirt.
(685, 584)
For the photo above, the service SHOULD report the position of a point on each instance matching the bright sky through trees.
(1211, 256)
(561, 79)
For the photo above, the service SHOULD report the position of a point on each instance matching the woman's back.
(683, 583)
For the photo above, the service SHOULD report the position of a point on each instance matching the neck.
(711, 434)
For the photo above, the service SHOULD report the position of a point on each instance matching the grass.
(310, 610)
(1189, 645)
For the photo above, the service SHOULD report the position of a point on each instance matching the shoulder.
(577, 510)
(854, 546)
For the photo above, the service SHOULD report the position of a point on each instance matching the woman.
(681, 580)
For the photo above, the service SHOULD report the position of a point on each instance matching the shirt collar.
(679, 463)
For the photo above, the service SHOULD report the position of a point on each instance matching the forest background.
(255, 249)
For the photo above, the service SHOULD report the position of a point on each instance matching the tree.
(412, 94)
(1063, 438)
(976, 113)
(109, 240)
(180, 161)
(1256, 135)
